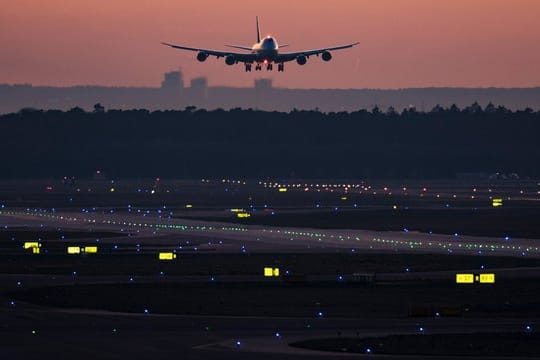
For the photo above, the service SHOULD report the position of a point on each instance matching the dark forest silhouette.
(195, 143)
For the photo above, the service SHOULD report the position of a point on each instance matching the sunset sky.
(403, 43)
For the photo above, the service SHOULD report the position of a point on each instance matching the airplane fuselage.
(266, 50)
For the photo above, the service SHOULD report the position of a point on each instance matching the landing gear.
(269, 67)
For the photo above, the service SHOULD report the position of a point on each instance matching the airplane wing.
(238, 57)
(206, 51)
(239, 47)
(283, 57)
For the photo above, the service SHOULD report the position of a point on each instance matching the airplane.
(263, 52)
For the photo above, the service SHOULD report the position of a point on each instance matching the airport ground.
(357, 261)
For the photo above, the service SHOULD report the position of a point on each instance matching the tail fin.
(258, 31)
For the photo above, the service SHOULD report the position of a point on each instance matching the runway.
(256, 238)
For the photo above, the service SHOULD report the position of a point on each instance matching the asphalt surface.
(255, 238)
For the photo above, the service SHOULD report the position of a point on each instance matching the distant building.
(199, 84)
(198, 91)
(173, 81)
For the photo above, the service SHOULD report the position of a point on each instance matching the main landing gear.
(269, 67)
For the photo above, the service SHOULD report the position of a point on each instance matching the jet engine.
(230, 60)
(326, 56)
(301, 60)
(201, 56)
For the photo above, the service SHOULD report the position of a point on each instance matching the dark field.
(475, 344)
(126, 261)
(345, 299)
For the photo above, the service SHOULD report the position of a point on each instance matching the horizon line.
(276, 88)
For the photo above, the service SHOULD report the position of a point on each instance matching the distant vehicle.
(264, 52)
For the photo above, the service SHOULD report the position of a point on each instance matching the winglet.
(258, 31)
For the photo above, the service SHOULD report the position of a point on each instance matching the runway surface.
(263, 239)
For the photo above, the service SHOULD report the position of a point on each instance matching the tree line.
(194, 143)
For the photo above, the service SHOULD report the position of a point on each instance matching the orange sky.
(403, 43)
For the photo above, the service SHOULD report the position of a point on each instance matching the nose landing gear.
(248, 67)
(269, 67)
